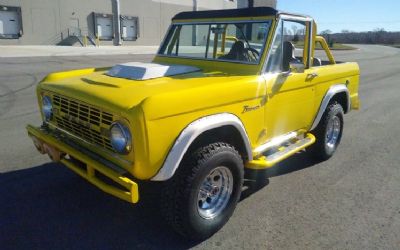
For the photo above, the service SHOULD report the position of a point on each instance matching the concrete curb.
(42, 51)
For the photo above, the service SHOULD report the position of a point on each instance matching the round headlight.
(47, 108)
(120, 138)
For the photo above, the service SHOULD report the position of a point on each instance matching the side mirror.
(288, 50)
(294, 67)
(297, 67)
(290, 63)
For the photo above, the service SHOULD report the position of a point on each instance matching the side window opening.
(295, 33)
(275, 59)
(289, 34)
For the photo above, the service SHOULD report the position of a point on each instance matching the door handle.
(312, 76)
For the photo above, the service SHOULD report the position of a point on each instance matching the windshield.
(239, 42)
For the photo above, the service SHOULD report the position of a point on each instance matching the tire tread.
(178, 187)
(318, 148)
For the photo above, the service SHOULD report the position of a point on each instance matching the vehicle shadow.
(50, 207)
(255, 180)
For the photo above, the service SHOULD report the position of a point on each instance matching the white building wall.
(49, 21)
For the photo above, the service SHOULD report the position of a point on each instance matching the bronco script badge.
(248, 108)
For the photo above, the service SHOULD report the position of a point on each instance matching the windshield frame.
(267, 19)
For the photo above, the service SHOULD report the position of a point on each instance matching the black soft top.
(230, 13)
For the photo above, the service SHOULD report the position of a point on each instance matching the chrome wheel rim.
(215, 192)
(333, 132)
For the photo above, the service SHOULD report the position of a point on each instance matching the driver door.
(290, 94)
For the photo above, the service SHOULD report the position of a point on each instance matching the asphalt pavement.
(351, 201)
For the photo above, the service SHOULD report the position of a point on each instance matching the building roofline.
(231, 13)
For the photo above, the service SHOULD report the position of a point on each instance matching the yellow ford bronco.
(229, 91)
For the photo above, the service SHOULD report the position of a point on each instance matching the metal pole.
(248, 30)
(117, 18)
(194, 29)
(251, 4)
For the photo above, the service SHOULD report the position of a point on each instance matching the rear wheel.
(328, 132)
(203, 194)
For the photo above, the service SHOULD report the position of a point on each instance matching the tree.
(294, 28)
(325, 32)
(378, 35)
(379, 30)
(327, 35)
(296, 36)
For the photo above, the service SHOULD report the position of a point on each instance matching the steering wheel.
(255, 54)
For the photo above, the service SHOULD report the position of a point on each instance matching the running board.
(282, 153)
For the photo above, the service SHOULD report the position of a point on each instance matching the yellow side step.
(283, 153)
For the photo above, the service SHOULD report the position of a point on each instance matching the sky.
(353, 15)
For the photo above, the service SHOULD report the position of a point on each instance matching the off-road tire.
(320, 149)
(180, 194)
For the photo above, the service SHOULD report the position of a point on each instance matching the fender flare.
(332, 91)
(190, 133)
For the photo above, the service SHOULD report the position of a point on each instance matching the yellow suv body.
(246, 78)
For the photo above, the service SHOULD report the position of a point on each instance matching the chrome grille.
(83, 120)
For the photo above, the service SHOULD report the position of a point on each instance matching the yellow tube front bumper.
(46, 142)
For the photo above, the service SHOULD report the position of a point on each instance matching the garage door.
(104, 27)
(129, 29)
(9, 23)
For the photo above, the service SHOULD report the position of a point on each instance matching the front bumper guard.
(47, 142)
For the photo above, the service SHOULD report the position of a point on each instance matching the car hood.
(100, 89)
(146, 71)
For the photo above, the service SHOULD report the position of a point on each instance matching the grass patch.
(339, 46)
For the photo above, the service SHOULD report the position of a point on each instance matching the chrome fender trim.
(328, 96)
(190, 133)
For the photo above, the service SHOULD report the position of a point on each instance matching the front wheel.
(328, 132)
(203, 194)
